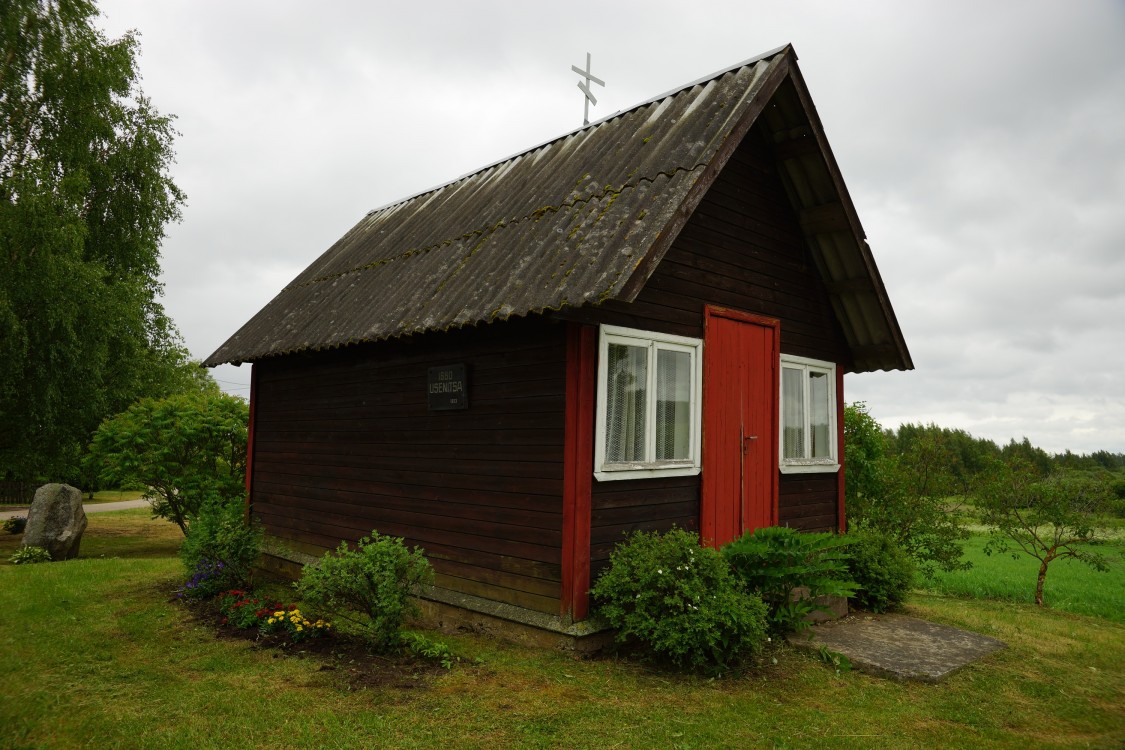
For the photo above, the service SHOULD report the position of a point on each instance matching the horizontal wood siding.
(345, 443)
(622, 507)
(741, 249)
(808, 501)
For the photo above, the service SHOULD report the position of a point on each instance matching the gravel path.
(88, 507)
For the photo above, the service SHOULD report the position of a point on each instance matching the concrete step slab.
(899, 647)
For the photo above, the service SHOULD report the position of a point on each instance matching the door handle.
(746, 442)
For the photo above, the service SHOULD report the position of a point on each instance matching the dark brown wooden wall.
(742, 249)
(345, 443)
(808, 501)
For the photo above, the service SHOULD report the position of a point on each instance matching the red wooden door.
(739, 492)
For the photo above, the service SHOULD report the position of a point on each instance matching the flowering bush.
(244, 611)
(679, 601)
(291, 623)
(208, 577)
(220, 549)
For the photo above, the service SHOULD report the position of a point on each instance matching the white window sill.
(616, 472)
(820, 467)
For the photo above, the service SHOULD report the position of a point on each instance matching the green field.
(1071, 586)
(95, 652)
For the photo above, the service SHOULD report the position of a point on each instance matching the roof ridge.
(596, 123)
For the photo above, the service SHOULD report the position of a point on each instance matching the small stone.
(56, 521)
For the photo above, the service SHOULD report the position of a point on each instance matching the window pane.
(818, 415)
(673, 404)
(625, 403)
(792, 413)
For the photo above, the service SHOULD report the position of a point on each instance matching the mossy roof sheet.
(578, 220)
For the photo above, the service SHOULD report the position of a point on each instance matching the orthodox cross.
(585, 86)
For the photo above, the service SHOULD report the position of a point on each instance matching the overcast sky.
(983, 144)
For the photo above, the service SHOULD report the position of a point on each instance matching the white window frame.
(654, 342)
(808, 465)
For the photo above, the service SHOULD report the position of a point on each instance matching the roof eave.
(855, 287)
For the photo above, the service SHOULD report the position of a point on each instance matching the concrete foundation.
(451, 612)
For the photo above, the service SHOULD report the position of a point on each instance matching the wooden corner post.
(250, 437)
(578, 469)
(841, 484)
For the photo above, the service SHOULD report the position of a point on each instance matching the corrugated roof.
(575, 221)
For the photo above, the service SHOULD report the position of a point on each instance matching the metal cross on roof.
(585, 86)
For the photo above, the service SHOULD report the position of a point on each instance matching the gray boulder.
(56, 521)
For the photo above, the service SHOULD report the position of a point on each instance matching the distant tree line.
(921, 484)
(968, 456)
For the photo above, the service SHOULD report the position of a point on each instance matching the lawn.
(95, 652)
(1071, 586)
(101, 496)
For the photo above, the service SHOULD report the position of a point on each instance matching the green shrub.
(775, 562)
(1117, 505)
(678, 601)
(369, 585)
(185, 450)
(220, 549)
(882, 570)
(15, 524)
(902, 487)
(423, 646)
(29, 555)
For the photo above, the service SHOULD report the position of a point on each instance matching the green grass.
(119, 533)
(101, 496)
(1071, 586)
(113, 496)
(94, 653)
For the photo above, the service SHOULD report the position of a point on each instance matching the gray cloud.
(982, 144)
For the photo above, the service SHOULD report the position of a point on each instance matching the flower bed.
(245, 611)
(238, 615)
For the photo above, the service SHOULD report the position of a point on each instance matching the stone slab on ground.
(899, 647)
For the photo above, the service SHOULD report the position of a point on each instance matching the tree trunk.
(1039, 583)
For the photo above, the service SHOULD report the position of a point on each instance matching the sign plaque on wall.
(447, 388)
